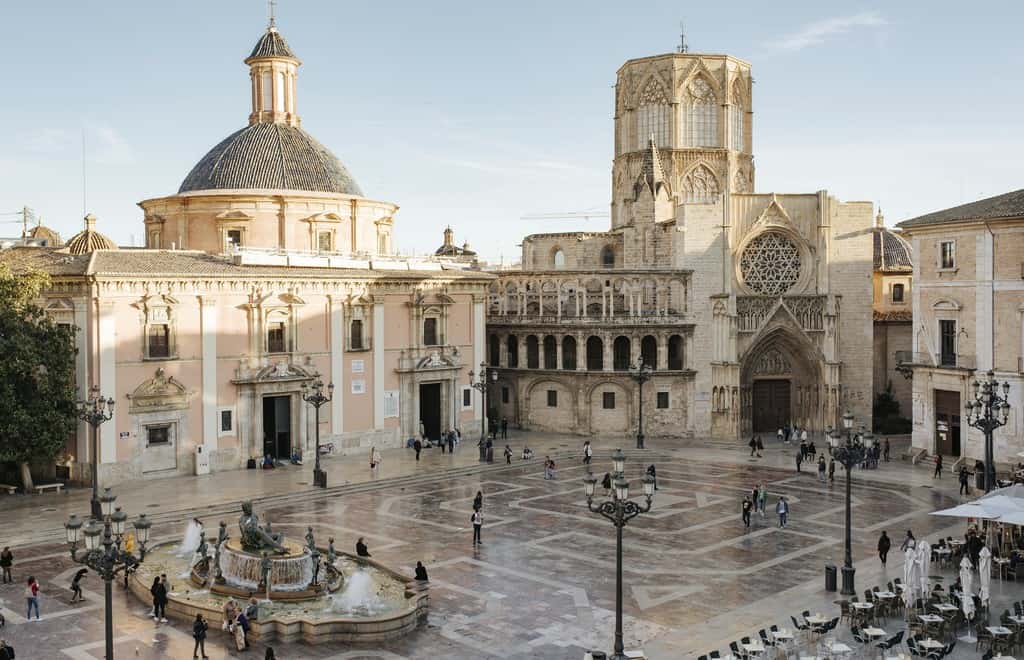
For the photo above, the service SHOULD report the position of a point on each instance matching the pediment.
(234, 215)
(159, 393)
(436, 360)
(291, 298)
(59, 305)
(329, 216)
(947, 304)
(151, 300)
(775, 215)
(281, 371)
(700, 69)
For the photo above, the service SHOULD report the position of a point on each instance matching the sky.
(473, 114)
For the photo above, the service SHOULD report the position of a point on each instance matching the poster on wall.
(391, 403)
(359, 386)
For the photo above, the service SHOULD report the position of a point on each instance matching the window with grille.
(227, 422)
(947, 334)
(467, 398)
(355, 334)
(158, 341)
(323, 241)
(608, 400)
(701, 115)
(430, 332)
(662, 400)
(276, 337)
(552, 398)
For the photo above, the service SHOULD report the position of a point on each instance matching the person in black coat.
(650, 470)
(478, 501)
(883, 547)
(199, 628)
(421, 572)
(6, 650)
(159, 593)
(418, 447)
(361, 549)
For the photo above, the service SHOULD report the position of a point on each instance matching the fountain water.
(190, 540)
(360, 595)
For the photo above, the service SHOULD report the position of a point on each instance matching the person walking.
(759, 446)
(803, 436)
(508, 455)
(762, 498)
(803, 449)
(6, 562)
(938, 467)
(451, 442)
(606, 483)
(549, 468)
(883, 546)
(821, 468)
(753, 445)
(745, 508)
(588, 453)
(417, 446)
(269, 655)
(799, 460)
(32, 597)
(504, 428)
(831, 469)
(654, 474)
(782, 511)
(76, 585)
(886, 454)
(443, 441)
(478, 523)
(965, 480)
(199, 628)
(778, 436)
(478, 501)
(375, 459)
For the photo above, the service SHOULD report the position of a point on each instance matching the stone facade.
(753, 308)
(968, 307)
(892, 291)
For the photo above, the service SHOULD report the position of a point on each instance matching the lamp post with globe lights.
(618, 509)
(104, 552)
(641, 373)
(481, 382)
(849, 455)
(314, 396)
(95, 411)
(987, 411)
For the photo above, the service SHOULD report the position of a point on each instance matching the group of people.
(756, 501)
(790, 432)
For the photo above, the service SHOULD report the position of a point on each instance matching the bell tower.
(273, 69)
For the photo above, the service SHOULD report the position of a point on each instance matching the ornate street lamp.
(849, 455)
(94, 411)
(619, 509)
(315, 397)
(104, 554)
(641, 373)
(987, 412)
(480, 382)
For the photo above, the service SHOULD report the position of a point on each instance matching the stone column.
(337, 349)
(107, 341)
(479, 340)
(208, 325)
(558, 352)
(83, 449)
(581, 352)
(662, 351)
(609, 354)
(378, 362)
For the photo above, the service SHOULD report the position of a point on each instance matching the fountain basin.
(400, 602)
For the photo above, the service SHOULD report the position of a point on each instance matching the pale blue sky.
(474, 113)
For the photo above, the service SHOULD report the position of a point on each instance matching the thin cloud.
(103, 144)
(817, 33)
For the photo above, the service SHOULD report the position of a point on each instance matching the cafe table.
(929, 644)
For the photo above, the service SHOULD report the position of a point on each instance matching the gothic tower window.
(736, 117)
(701, 115)
(770, 264)
(700, 185)
(652, 116)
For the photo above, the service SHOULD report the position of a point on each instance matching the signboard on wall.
(391, 403)
(359, 386)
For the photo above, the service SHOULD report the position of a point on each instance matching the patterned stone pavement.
(542, 585)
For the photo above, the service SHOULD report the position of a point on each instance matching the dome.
(270, 156)
(272, 44)
(892, 253)
(89, 240)
(46, 236)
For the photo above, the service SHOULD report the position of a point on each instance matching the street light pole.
(641, 373)
(987, 411)
(619, 510)
(94, 411)
(849, 455)
(315, 397)
(111, 558)
(479, 382)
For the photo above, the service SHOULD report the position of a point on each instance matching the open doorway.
(277, 426)
(430, 410)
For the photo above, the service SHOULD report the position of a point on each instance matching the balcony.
(911, 359)
(570, 320)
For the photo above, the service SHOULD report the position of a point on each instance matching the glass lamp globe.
(848, 420)
(619, 461)
(622, 489)
(589, 484)
(92, 533)
(142, 525)
(71, 529)
(648, 485)
(117, 521)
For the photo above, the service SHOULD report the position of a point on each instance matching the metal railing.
(569, 319)
(941, 360)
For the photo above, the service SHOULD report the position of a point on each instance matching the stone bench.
(11, 490)
(41, 488)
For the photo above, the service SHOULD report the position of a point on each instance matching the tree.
(37, 375)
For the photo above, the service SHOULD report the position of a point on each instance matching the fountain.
(306, 594)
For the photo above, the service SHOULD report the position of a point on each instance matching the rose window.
(770, 264)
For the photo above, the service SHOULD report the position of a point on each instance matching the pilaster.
(337, 322)
(208, 324)
(107, 340)
(378, 363)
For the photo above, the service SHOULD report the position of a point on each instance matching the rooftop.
(1007, 205)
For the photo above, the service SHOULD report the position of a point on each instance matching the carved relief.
(772, 363)
(159, 393)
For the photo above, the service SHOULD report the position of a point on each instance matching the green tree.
(37, 375)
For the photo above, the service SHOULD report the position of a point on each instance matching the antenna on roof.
(83, 173)
(270, 14)
(683, 47)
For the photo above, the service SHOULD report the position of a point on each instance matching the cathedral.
(752, 310)
(267, 271)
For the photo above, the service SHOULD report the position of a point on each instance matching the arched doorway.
(781, 381)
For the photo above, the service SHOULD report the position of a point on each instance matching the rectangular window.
(552, 398)
(662, 400)
(158, 436)
(430, 332)
(276, 337)
(897, 293)
(358, 387)
(608, 400)
(158, 344)
(234, 238)
(504, 395)
(355, 334)
(947, 334)
(947, 255)
(227, 421)
(323, 241)
(467, 397)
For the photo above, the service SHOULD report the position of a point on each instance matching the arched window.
(559, 258)
(512, 346)
(532, 352)
(675, 353)
(649, 351)
(550, 352)
(620, 353)
(595, 354)
(736, 117)
(494, 348)
(701, 120)
(652, 116)
(700, 185)
(569, 353)
(267, 91)
(608, 257)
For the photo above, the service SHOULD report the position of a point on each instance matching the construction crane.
(566, 215)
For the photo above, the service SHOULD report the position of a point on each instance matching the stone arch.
(557, 257)
(532, 352)
(512, 346)
(494, 349)
(784, 375)
(595, 353)
(676, 355)
(568, 353)
(550, 346)
(541, 414)
(622, 348)
(608, 256)
(700, 184)
(649, 351)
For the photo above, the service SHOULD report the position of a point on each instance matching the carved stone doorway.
(771, 404)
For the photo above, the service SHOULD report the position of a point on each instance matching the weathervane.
(683, 47)
(270, 11)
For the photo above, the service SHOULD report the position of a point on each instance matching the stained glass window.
(770, 264)
(701, 118)
(652, 116)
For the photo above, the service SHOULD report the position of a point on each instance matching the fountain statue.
(222, 536)
(331, 554)
(254, 537)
